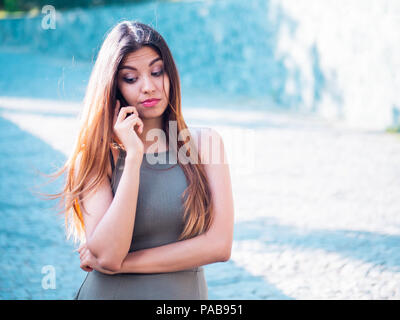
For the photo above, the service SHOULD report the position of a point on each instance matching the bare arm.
(213, 246)
(109, 225)
(109, 221)
(198, 251)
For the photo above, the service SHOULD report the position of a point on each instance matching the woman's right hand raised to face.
(126, 128)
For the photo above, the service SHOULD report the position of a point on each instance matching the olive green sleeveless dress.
(159, 221)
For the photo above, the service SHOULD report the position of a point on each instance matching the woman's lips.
(150, 102)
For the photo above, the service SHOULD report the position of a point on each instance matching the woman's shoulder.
(206, 135)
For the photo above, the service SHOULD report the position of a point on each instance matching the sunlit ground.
(316, 206)
(316, 196)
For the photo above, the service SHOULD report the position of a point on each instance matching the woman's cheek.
(166, 87)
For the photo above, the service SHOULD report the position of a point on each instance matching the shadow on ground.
(32, 235)
(369, 247)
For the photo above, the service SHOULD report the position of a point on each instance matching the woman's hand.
(124, 129)
(90, 262)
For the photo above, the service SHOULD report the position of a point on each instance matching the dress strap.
(117, 168)
(112, 161)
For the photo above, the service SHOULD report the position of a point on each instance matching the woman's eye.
(130, 80)
(158, 73)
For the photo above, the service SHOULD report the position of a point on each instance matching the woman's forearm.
(111, 239)
(186, 254)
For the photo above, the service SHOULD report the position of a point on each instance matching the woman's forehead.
(143, 55)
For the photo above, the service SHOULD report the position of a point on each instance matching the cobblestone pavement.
(316, 214)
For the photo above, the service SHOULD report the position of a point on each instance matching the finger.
(83, 254)
(82, 266)
(135, 111)
(130, 121)
(131, 116)
(133, 121)
(82, 249)
(84, 263)
(140, 125)
(136, 124)
(86, 268)
(122, 113)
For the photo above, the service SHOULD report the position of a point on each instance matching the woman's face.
(143, 82)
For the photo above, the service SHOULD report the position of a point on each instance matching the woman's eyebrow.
(133, 68)
(154, 61)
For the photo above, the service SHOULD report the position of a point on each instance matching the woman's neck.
(149, 124)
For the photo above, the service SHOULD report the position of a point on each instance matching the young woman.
(146, 228)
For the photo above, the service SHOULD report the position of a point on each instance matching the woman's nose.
(148, 85)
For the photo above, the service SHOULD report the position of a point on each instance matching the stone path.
(316, 214)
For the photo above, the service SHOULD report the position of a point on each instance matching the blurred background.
(306, 96)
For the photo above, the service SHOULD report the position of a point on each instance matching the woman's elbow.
(224, 251)
(221, 247)
(110, 264)
(105, 261)
(226, 254)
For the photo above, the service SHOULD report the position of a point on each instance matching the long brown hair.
(96, 137)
